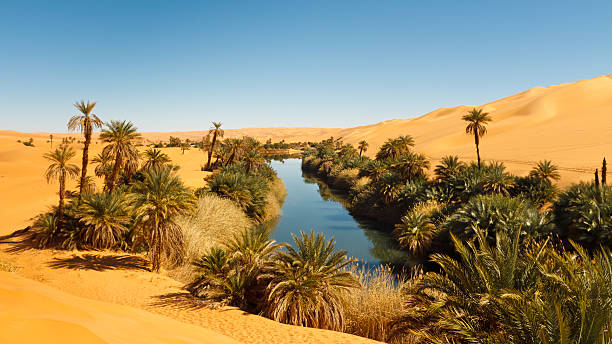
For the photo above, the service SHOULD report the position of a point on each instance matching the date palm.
(410, 165)
(394, 148)
(120, 137)
(363, 147)
(546, 171)
(308, 283)
(61, 170)
(154, 158)
(157, 202)
(104, 218)
(416, 232)
(449, 166)
(477, 126)
(253, 159)
(216, 132)
(104, 165)
(85, 122)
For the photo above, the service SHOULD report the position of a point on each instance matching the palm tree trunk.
(115, 172)
(155, 246)
(60, 206)
(212, 148)
(85, 161)
(477, 150)
(360, 150)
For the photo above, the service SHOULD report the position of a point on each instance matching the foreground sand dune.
(124, 291)
(31, 312)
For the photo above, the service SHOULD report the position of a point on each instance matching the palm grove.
(514, 260)
(511, 259)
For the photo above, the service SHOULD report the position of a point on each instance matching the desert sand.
(568, 124)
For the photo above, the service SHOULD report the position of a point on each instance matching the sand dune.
(31, 312)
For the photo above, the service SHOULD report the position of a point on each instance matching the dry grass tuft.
(8, 266)
(275, 199)
(215, 221)
(371, 309)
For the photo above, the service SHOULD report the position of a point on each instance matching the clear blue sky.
(179, 65)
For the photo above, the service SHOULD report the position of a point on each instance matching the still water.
(311, 205)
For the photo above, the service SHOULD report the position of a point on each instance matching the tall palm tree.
(363, 147)
(154, 158)
(234, 146)
(51, 140)
(157, 201)
(104, 217)
(477, 125)
(216, 131)
(120, 137)
(85, 122)
(61, 169)
(546, 171)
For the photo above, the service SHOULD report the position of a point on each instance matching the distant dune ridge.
(568, 123)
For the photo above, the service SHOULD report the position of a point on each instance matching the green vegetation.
(302, 286)
(477, 125)
(144, 206)
(85, 122)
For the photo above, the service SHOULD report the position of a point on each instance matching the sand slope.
(31, 312)
(123, 284)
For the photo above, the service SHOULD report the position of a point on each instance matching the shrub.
(215, 221)
(584, 213)
(371, 309)
(494, 213)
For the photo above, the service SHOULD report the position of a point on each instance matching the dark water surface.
(311, 205)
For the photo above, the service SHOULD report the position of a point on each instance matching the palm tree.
(216, 132)
(410, 165)
(104, 217)
(375, 169)
(51, 140)
(449, 166)
(120, 137)
(393, 148)
(363, 147)
(416, 232)
(157, 201)
(104, 165)
(233, 146)
(85, 122)
(546, 171)
(477, 121)
(61, 169)
(184, 147)
(154, 158)
(253, 160)
(308, 283)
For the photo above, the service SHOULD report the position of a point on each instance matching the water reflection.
(311, 204)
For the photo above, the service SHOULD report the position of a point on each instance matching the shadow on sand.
(99, 262)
